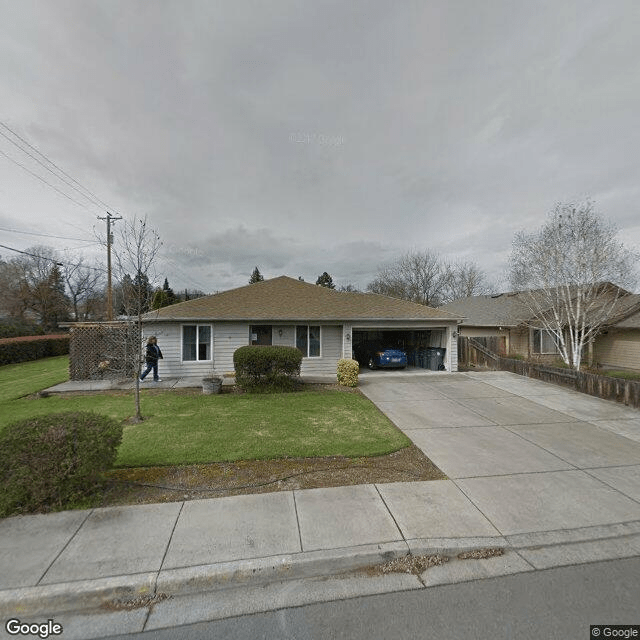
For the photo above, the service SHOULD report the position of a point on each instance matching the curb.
(83, 595)
(92, 594)
(527, 552)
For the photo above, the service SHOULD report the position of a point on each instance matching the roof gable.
(285, 298)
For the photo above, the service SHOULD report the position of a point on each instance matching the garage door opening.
(425, 348)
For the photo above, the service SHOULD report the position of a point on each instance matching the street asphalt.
(549, 475)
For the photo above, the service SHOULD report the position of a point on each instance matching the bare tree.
(425, 277)
(462, 280)
(84, 283)
(415, 276)
(40, 285)
(135, 253)
(571, 272)
(12, 301)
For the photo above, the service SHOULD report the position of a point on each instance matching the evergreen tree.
(256, 276)
(171, 297)
(325, 280)
(160, 299)
(142, 293)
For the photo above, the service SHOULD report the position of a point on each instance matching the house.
(618, 345)
(505, 316)
(199, 337)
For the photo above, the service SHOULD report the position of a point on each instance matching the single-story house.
(199, 337)
(506, 316)
(618, 345)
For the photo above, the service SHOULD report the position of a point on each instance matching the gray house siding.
(330, 352)
(227, 336)
(330, 347)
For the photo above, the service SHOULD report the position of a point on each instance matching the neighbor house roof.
(285, 298)
(501, 310)
(630, 313)
(510, 309)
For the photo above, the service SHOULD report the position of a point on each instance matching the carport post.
(347, 341)
(452, 348)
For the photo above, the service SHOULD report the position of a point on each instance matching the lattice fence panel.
(104, 351)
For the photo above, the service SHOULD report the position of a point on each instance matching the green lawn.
(626, 375)
(17, 380)
(187, 429)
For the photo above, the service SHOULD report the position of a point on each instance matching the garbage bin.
(431, 359)
(435, 358)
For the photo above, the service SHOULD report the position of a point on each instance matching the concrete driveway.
(531, 456)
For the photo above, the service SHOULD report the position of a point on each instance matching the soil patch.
(170, 484)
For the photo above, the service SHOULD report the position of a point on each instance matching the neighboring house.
(504, 315)
(199, 337)
(618, 346)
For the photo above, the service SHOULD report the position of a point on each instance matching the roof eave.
(297, 319)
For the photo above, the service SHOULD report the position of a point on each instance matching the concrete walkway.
(550, 475)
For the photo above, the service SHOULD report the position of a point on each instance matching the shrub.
(50, 461)
(267, 368)
(348, 372)
(14, 350)
(16, 327)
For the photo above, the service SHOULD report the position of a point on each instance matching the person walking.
(152, 355)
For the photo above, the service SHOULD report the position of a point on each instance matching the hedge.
(49, 461)
(267, 368)
(14, 350)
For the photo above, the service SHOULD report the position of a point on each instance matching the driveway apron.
(530, 456)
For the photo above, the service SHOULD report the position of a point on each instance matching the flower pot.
(211, 385)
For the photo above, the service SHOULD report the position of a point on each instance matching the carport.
(418, 343)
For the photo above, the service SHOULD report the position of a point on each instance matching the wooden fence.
(473, 353)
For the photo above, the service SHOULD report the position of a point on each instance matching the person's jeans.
(151, 365)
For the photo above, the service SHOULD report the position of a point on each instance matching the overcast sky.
(316, 136)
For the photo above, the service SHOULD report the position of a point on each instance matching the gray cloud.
(323, 136)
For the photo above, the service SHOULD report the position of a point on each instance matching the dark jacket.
(153, 353)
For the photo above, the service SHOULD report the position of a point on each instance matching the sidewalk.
(527, 474)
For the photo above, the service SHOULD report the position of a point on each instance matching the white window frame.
(307, 326)
(537, 348)
(197, 326)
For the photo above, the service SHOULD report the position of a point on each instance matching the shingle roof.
(502, 310)
(285, 298)
(508, 310)
(630, 310)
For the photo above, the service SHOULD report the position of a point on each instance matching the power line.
(47, 235)
(55, 261)
(94, 198)
(84, 246)
(184, 274)
(35, 175)
(50, 170)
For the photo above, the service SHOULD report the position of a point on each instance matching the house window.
(260, 334)
(196, 342)
(544, 342)
(308, 341)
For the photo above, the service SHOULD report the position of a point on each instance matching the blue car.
(386, 358)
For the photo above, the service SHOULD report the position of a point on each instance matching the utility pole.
(109, 218)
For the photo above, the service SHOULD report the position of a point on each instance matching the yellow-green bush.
(348, 372)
